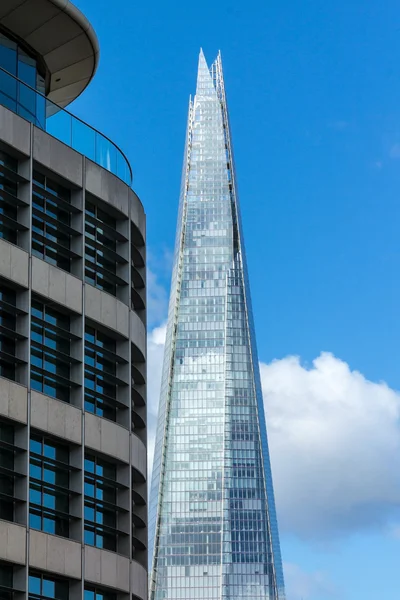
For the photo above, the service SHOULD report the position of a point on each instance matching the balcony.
(61, 124)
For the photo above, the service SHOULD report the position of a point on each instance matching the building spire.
(205, 85)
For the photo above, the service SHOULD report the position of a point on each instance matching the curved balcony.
(61, 124)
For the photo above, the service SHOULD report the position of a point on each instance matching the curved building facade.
(73, 489)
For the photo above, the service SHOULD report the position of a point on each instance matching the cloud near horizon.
(334, 439)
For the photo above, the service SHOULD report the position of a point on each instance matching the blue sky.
(314, 98)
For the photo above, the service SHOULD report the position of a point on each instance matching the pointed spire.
(205, 86)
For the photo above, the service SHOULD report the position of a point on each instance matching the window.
(50, 352)
(8, 198)
(49, 486)
(101, 510)
(51, 222)
(137, 268)
(6, 582)
(101, 380)
(7, 474)
(101, 250)
(8, 332)
(16, 95)
(95, 593)
(41, 587)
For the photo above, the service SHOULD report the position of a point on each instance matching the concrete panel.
(106, 568)
(13, 400)
(138, 580)
(106, 309)
(55, 417)
(107, 187)
(13, 542)
(56, 284)
(15, 131)
(14, 263)
(137, 213)
(138, 455)
(57, 157)
(106, 437)
(55, 554)
(138, 332)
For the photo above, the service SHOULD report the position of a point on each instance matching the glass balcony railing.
(61, 124)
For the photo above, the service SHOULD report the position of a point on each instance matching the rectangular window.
(49, 486)
(101, 510)
(101, 252)
(101, 374)
(42, 587)
(7, 474)
(96, 593)
(6, 582)
(8, 332)
(8, 198)
(51, 222)
(51, 351)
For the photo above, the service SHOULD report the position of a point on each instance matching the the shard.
(213, 529)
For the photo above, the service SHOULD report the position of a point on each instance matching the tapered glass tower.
(213, 530)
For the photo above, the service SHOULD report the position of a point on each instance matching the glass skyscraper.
(213, 529)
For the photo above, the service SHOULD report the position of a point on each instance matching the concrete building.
(73, 490)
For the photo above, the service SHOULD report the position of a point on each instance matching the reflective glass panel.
(212, 522)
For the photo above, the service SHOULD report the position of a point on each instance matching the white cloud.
(335, 442)
(157, 300)
(334, 439)
(155, 355)
(305, 585)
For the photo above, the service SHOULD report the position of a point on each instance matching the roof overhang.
(61, 35)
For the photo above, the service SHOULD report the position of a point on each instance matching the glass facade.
(8, 326)
(8, 194)
(44, 587)
(96, 593)
(101, 503)
(102, 250)
(101, 382)
(213, 530)
(22, 90)
(7, 472)
(52, 212)
(49, 486)
(15, 92)
(6, 582)
(50, 352)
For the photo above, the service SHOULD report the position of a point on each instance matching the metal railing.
(61, 124)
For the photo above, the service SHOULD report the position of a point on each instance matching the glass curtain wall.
(14, 94)
(213, 532)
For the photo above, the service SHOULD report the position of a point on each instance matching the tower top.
(205, 81)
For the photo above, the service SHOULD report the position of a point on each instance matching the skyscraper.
(213, 529)
(73, 472)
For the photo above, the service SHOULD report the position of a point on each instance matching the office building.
(73, 492)
(212, 523)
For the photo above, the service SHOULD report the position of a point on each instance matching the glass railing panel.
(123, 171)
(36, 108)
(8, 91)
(83, 139)
(59, 126)
(106, 153)
(41, 111)
(27, 102)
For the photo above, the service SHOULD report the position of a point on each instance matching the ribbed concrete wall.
(30, 410)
